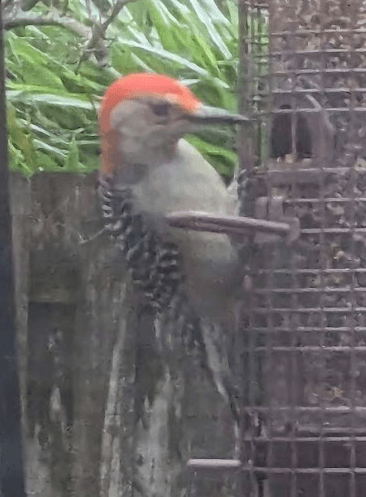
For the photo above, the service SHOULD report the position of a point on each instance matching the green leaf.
(72, 159)
(123, 59)
(39, 75)
(27, 52)
(163, 26)
(207, 21)
(52, 150)
(223, 159)
(167, 56)
(21, 138)
(35, 94)
(46, 162)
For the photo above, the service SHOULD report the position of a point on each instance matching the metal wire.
(306, 313)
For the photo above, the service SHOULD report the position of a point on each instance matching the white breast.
(190, 183)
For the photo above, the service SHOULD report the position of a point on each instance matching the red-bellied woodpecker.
(149, 171)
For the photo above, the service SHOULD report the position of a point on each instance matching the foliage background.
(61, 54)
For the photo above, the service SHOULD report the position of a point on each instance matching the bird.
(148, 171)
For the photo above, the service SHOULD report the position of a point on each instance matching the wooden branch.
(29, 20)
(231, 225)
(118, 6)
(12, 22)
(214, 463)
(95, 34)
(99, 30)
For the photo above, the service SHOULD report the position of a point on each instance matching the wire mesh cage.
(304, 423)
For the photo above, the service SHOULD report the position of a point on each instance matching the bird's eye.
(161, 109)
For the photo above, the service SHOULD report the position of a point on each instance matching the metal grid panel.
(305, 341)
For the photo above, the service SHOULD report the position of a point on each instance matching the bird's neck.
(130, 169)
(128, 154)
(152, 154)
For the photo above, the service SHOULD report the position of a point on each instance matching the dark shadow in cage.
(281, 136)
(304, 135)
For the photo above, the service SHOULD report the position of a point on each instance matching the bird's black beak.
(212, 115)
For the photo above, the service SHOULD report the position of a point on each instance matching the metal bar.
(316, 91)
(313, 348)
(333, 200)
(308, 310)
(308, 409)
(315, 271)
(313, 170)
(307, 439)
(299, 72)
(340, 110)
(307, 32)
(307, 329)
(331, 231)
(306, 471)
(11, 462)
(246, 151)
(314, 51)
(262, 291)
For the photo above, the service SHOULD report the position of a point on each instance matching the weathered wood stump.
(105, 413)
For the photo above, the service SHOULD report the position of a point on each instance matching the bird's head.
(142, 117)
